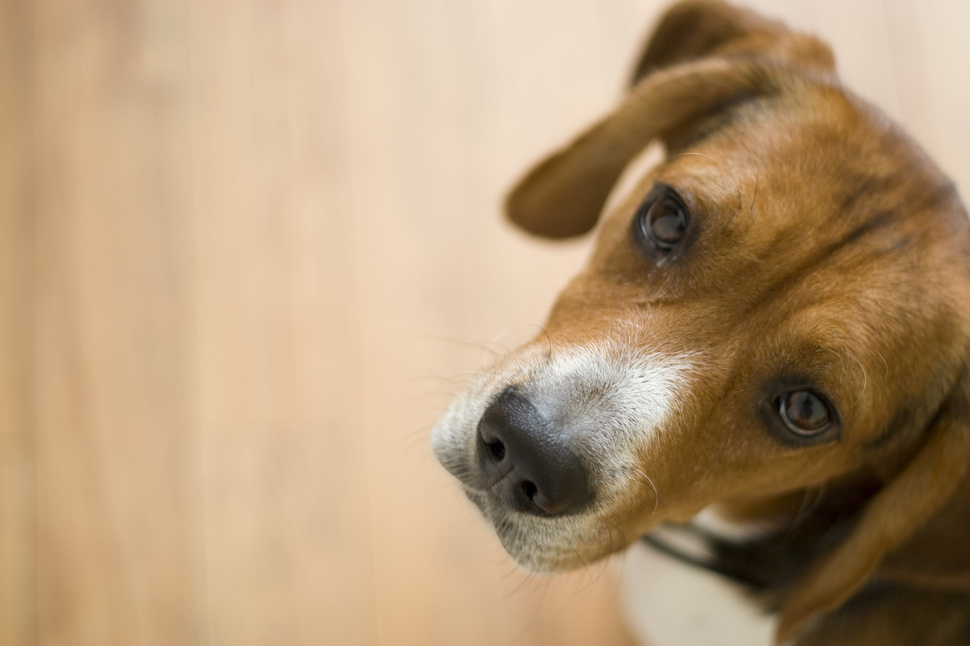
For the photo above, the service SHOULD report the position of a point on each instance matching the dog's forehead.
(819, 161)
(816, 227)
(819, 182)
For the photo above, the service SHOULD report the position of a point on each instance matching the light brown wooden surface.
(17, 423)
(247, 252)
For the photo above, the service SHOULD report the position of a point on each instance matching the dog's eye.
(804, 412)
(662, 218)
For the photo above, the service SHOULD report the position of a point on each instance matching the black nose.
(526, 463)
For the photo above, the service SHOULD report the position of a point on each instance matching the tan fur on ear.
(909, 501)
(562, 196)
(695, 29)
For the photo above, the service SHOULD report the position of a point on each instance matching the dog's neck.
(784, 536)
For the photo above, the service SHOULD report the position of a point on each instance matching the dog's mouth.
(538, 542)
(479, 498)
(548, 545)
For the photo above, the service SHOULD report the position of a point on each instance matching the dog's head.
(783, 301)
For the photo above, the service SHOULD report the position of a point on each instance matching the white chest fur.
(669, 603)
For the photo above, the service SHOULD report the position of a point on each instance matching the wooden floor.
(247, 252)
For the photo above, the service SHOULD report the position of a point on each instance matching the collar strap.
(698, 548)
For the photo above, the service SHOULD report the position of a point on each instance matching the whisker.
(809, 504)
(656, 493)
(581, 560)
(885, 364)
(693, 154)
(467, 343)
(528, 578)
(514, 569)
(458, 378)
(409, 440)
(545, 333)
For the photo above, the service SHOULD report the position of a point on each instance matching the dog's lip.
(477, 496)
(463, 469)
(481, 498)
(466, 472)
(478, 492)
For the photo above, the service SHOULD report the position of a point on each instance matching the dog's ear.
(563, 195)
(703, 57)
(922, 490)
(695, 29)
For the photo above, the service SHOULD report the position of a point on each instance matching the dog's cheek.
(450, 437)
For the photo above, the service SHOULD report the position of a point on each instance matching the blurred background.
(248, 251)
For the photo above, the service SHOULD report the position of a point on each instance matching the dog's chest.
(670, 603)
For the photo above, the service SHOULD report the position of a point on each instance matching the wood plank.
(287, 526)
(117, 536)
(930, 54)
(18, 610)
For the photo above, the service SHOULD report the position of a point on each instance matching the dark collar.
(702, 549)
(769, 563)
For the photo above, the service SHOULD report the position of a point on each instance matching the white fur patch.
(669, 603)
(621, 397)
(709, 520)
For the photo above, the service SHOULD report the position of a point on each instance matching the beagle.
(773, 331)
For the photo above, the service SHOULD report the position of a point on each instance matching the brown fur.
(828, 248)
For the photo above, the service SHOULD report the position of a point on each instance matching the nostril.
(530, 490)
(496, 449)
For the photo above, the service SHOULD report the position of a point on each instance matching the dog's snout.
(526, 461)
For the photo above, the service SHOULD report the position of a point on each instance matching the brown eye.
(663, 220)
(804, 412)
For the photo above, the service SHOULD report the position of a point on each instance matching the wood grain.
(118, 514)
(18, 608)
(249, 250)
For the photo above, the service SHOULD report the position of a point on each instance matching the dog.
(772, 331)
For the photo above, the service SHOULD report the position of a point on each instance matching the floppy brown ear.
(563, 195)
(921, 490)
(695, 29)
(703, 57)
